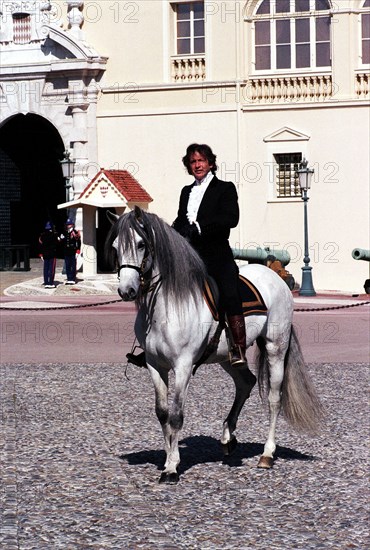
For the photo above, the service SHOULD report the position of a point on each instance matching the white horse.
(161, 272)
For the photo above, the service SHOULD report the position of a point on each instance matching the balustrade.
(188, 69)
(273, 89)
(289, 89)
(362, 85)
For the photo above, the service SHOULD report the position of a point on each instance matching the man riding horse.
(208, 209)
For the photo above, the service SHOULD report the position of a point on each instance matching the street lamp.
(305, 176)
(67, 165)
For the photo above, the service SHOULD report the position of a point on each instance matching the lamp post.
(305, 176)
(67, 165)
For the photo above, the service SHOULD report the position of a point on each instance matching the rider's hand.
(190, 232)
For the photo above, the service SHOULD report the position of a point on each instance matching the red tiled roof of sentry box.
(128, 186)
(124, 182)
(111, 189)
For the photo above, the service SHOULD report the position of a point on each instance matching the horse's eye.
(141, 245)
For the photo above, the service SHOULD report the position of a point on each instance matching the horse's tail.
(300, 403)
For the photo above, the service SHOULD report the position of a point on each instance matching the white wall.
(147, 128)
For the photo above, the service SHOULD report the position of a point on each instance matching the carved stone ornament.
(75, 15)
(25, 6)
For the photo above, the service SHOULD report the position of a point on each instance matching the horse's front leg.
(175, 421)
(160, 381)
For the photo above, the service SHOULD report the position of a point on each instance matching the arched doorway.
(31, 183)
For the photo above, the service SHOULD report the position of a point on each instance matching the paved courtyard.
(81, 453)
(81, 449)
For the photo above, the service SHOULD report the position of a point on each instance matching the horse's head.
(134, 254)
(152, 255)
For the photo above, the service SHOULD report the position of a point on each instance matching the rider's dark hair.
(203, 150)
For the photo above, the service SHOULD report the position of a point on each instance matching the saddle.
(252, 301)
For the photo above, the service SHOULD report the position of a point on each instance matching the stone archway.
(32, 184)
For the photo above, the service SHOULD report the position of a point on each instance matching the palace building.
(128, 85)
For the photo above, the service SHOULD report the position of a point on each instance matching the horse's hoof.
(171, 478)
(229, 447)
(265, 462)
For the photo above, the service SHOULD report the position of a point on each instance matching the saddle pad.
(252, 301)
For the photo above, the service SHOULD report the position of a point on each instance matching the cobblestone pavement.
(81, 453)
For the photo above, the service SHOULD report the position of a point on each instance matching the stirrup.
(138, 360)
(236, 357)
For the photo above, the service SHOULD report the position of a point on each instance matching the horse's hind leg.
(275, 358)
(244, 381)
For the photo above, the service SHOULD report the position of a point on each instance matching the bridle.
(147, 282)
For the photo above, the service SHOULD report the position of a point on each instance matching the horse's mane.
(183, 272)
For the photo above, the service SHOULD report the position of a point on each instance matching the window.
(21, 28)
(292, 34)
(286, 178)
(190, 28)
(365, 34)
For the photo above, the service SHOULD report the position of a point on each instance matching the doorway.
(102, 230)
(31, 183)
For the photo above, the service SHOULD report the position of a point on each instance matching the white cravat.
(196, 196)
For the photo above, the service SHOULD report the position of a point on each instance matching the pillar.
(344, 37)
(89, 241)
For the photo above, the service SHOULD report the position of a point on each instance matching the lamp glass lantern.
(305, 176)
(67, 165)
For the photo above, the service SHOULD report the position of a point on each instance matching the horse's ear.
(138, 214)
(112, 217)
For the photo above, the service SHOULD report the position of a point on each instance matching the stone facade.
(53, 73)
(139, 110)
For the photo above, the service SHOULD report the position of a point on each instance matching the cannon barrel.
(361, 254)
(259, 255)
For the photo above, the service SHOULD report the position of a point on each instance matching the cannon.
(361, 254)
(259, 255)
(274, 259)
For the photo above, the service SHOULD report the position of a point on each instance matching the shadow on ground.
(204, 449)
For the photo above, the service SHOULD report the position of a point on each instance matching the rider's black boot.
(138, 360)
(238, 349)
(239, 340)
